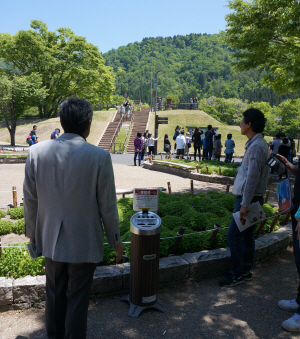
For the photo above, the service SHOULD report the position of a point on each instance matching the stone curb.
(30, 291)
(216, 179)
(19, 160)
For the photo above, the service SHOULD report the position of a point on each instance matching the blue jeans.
(241, 244)
(140, 156)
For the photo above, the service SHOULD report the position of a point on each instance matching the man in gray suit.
(69, 191)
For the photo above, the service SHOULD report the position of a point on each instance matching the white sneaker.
(292, 324)
(288, 305)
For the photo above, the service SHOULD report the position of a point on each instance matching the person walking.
(217, 147)
(249, 186)
(167, 146)
(196, 139)
(122, 111)
(176, 133)
(138, 148)
(180, 142)
(229, 148)
(145, 140)
(69, 192)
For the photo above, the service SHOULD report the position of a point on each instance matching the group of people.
(193, 102)
(210, 143)
(125, 109)
(32, 138)
(141, 144)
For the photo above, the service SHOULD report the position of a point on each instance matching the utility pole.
(156, 125)
(151, 90)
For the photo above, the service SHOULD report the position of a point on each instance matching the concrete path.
(195, 310)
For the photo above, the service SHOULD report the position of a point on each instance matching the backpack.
(167, 148)
(28, 140)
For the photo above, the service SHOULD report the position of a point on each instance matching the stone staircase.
(107, 137)
(140, 124)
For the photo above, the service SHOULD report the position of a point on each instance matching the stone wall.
(30, 291)
(18, 160)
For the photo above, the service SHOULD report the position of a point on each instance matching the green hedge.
(2, 214)
(16, 213)
(7, 226)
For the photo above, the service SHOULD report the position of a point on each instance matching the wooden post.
(206, 169)
(197, 168)
(123, 195)
(274, 221)
(227, 188)
(170, 156)
(220, 173)
(150, 160)
(169, 187)
(260, 226)
(192, 186)
(178, 240)
(267, 196)
(286, 218)
(15, 201)
(232, 161)
(214, 233)
(161, 156)
(180, 157)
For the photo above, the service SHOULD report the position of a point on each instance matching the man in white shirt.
(180, 142)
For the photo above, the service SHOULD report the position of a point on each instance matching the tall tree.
(266, 34)
(68, 64)
(17, 93)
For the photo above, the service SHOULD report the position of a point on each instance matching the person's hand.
(32, 240)
(243, 214)
(283, 159)
(119, 249)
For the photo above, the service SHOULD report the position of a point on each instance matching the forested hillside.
(188, 66)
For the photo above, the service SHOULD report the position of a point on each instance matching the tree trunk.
(12, 133)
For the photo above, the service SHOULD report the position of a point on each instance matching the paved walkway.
(195, 310)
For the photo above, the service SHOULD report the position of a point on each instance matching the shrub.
(228, 201)
(16, 213)
(204, 171)
(194, 242)
(268, 209)
(18, 227)
(176, 208)
(192, 219)
(2, 214)
(229, 172)
(166, 245)
(16, 263)
(124, 226)
(171, 222)
(5, 227)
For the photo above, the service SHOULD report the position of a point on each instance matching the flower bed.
(213, 166)
(196, 212)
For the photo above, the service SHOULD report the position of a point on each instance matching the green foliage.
(264, 35)
(229, 172)
(16, 213)
(187, 66)
(16, 263)
(171, 222)
(177, 208)
(5, 227)
(18, 227)
(2, 214)
(67, 64)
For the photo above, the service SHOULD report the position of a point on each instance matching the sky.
(114, 23)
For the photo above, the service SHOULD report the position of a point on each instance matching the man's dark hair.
(181, 132)
(209, 127)
(75, 115)
(285, 141)
(229, 136)
(256, 118)
(58, 130)
(34, 126)
(278, 135)
(139, 134)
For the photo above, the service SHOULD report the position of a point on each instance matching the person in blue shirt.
(229, 150)
(55, 134)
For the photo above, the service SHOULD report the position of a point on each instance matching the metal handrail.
(116, 133)
(124, 144)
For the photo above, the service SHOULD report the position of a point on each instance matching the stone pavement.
(195, 310)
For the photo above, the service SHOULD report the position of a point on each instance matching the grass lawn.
(46, 126)
(197, 118)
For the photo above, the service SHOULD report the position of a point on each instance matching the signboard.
(161, 118)
(125, 95)
(162, 122)
(145, 198)
(284, 195)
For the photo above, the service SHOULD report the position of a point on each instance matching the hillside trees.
(67, 64)
(17, 93)
(266, 34)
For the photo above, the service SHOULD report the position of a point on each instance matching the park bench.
(124, 191)
(187, 167)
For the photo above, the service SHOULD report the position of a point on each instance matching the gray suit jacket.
(69, 190)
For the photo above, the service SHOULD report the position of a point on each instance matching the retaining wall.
(18, 160)
(213, 178)
(30, 291)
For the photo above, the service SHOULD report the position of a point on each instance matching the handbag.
(189, 145)
(217, 154)
(167, 148)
